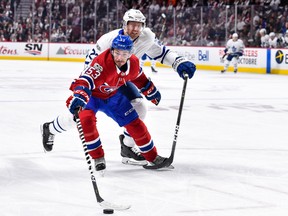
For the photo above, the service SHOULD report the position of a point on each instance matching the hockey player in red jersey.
(144, 42)
(97, 90)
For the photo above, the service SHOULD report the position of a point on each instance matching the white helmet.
(263, 31)
(235, 35)
(134, 15)
(272, 34)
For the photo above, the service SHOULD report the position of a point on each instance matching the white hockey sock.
(128, 140)
(226, 64)
(62, 123)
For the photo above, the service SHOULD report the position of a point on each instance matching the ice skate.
(235, 71)
(223, 71)
(100, 165)
(131, 155)
(47, 137)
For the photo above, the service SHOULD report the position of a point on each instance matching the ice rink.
(231, 156)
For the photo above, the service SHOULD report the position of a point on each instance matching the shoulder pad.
(147, 33)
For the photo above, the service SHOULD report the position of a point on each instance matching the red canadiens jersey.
(103, 77)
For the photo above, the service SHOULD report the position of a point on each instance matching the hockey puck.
(108, 211)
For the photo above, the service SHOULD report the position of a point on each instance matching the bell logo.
(203, 56)
(279, 56)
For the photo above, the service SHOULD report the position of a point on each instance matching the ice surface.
(231, 156)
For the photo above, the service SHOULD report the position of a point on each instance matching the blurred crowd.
(186, 22)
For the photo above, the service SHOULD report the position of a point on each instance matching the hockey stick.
(169, 160)
(163, 26)
(99, 199)
(178, 118)
(224, 56)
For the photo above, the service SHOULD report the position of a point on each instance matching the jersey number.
(94, 71)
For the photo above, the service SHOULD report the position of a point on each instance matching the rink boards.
(254, 60)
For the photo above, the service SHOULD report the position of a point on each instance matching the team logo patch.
(98, 67)
(107, 89)
(279, 56)
(98, 47)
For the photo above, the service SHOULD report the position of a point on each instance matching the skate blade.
(130, 161)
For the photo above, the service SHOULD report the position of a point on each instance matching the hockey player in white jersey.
(144, 42)
(264, 38)
(234, 49)
(285, 40)
(273, 40)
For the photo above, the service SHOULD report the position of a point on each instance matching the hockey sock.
(91, 135)
(138, 130)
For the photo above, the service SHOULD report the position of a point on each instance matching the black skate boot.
(223, 71)
(159, 163)
(130, 154)
(100, 165)
(47, 137)
(235, 71)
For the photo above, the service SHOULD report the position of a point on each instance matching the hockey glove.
(80, 98)
(151, 93)
(182, 66)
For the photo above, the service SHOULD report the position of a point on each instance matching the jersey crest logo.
(107, 89)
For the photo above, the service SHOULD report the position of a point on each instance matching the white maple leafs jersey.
(265, 41)
(145, 43)
(285, 41)
(235, 46)
(273, 42)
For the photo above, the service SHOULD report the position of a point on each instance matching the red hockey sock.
(91, 135)
(138, 131)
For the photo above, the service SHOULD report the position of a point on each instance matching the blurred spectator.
(218, 20)
(2, 38)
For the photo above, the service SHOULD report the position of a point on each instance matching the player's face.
(133, 29)
(120, 56)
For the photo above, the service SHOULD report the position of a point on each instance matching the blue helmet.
(122, 42)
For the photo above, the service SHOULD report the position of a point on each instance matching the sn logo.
(30, 46)
(33, 49)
